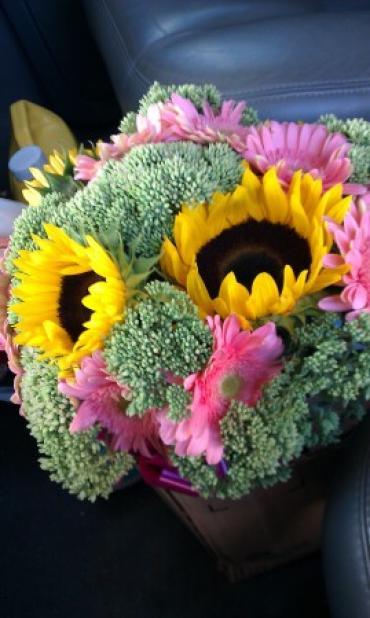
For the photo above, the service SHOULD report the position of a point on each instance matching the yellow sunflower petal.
(276, 200)
(234, 294)
(37, 173)
(72, 154)
(264, 294)
(32, 197)
(198, 293)
(172, 264)
(238, 212)
(299, 288)
(299, 217)
(338, 211)
(311, 190)
(100, 261)
(250, 181)
(326, 278)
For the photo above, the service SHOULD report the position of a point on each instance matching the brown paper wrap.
(266, 528)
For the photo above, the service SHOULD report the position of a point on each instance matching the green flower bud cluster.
(152, 182)
(80, 462)
(249, 117)
(160, 335)
(159, 93)
(357, 130)
(128, 124)
(178, 401)
(139, 196)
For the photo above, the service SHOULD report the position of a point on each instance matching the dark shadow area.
(127, 557)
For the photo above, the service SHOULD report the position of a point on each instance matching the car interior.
(90, 62)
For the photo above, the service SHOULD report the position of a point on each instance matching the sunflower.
(57, 168)
(56, 175)
(69, 294)
(256, 251)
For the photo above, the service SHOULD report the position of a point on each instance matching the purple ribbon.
(156, 471)
(221, 469)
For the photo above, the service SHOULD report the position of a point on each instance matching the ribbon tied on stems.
(158, 472)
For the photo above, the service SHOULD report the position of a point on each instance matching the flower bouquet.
(197, 301)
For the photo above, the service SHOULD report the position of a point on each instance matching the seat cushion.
(289, 59)
(346, 534)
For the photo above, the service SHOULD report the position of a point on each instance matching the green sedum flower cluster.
(159, 93)
(159, 336)
(152, 182)
(79, 462)
(357, 130)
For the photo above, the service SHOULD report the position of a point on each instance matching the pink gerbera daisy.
(151, 129)
(103, 401)
(353, 241)
(176, 119)
(241, 363)
(290, 146)
(86, 168)
(187, 123)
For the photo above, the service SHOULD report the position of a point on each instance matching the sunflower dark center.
(252, 248)
(72, 313)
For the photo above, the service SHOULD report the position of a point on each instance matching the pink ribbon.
(156, 471)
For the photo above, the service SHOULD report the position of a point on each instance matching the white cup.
(9, 210)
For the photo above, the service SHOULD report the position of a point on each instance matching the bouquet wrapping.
(194, 292)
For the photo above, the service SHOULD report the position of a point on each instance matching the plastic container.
(21, 161)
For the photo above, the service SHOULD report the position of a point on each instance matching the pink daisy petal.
(102, 401)
(86, 168)
(334, 303)
(308, 147)
(241, 364)
(353, 241)
(332, 260)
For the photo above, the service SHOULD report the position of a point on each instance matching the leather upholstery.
(289, 59)
(347, 531)
(49, 57)
(62, 59)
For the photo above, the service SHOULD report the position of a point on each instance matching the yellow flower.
(255, 252)
(69, 294)
(58, 165)
(32, 196)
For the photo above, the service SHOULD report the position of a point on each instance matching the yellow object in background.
(33, 124)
